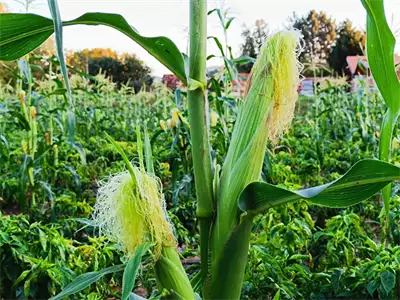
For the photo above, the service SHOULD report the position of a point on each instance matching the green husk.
(133, 213)
(130, 209)
(171, 275)
(265, 114)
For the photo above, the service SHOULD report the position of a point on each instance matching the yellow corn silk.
(278, 59)
(132, 212)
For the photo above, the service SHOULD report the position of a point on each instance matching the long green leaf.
(124, 157)
(128, 280)
(83, 281)
(148, 154)
(226, 281)
(380, 50)
(363, 180)
(22, 33)
(58, 31)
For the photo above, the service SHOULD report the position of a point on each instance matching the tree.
(348, 42)
(253, 39)
(124, 69)
(80, 59)
(136, 72)
(319, 34)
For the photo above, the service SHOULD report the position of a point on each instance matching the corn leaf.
(128, 280)
(83, 281)
(148, 152)
(58, 32)
(380, 49)
(226, 282)
(22, 33)
(363, 180)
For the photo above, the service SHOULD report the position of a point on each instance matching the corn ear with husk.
(130, 209)
(265, 114)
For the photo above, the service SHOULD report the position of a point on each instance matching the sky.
(170, 18)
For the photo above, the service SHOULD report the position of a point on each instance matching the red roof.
(353, 62)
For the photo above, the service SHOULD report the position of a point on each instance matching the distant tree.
(319, 34)
(108, 66)
(126, 69)
(253, 39)
(99, 53)
(136, 71)
(349, 41)
(80, 59)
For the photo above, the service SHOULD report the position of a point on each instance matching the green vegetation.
(239, 175)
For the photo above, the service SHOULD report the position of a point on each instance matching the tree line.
(325, 43)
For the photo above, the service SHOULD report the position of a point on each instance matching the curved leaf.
(363, 180)
(22, 33)
(58, 32)
(83, 281)
(380, 50)
(244, 59)
(128, 280)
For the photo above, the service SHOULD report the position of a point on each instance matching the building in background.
(359, 70)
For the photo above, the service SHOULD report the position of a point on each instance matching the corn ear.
(265, 114)
(171, 275)
(133, 213)
(130, 208)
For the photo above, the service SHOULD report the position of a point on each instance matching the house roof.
(353, 61)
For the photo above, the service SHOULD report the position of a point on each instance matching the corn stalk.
(198, 118)
(380, 51)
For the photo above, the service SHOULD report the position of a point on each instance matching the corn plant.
(380, 51)
(130, 205)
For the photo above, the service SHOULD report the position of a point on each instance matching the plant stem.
(198, 115)
(385, 145)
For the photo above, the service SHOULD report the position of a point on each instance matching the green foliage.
(128, 280)
(37, 261)
(319, 34)
(296, 251)
(359, 183)
(349, 41)
(380, 48)
(327, 136)
(129, 71)
(22, 33)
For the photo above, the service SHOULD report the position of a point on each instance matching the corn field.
(198, 192)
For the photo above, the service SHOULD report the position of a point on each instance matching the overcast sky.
(170, 18)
